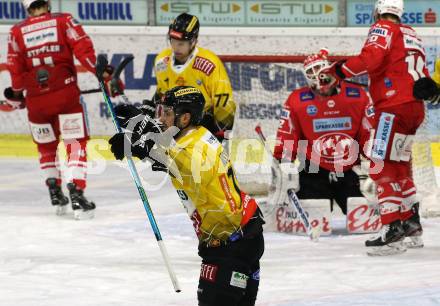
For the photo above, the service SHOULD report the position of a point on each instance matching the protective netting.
(260, 89)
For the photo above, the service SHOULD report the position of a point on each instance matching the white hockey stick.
(312, 232)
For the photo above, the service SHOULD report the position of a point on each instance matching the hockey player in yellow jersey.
(228, 222)
(186, 64)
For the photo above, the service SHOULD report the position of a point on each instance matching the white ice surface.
(114, 259)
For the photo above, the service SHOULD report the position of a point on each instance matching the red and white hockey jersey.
(394, 57)
(325, 128)
(40, 53)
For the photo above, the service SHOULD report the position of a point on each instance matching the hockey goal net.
(261, 84)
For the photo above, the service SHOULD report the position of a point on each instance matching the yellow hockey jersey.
(436, 74)
(205, 71)
(208, 188)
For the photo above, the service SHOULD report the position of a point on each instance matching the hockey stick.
(100, 65)
(312, 232)
(356, 83)
(83, 92)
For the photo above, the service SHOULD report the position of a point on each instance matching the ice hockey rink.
(114, 259)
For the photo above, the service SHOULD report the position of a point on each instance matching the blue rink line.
(402, 297)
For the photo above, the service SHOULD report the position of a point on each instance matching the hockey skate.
(82, 208)
(58, 199)
(413, 230)
(389, 240)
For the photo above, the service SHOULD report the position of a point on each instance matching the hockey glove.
(126, 112)
(334, 71)
(112, 87)
(135, 141)
(14, 99)
(426, 89)
(149, 108)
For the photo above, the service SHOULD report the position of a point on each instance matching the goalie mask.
(313, 65)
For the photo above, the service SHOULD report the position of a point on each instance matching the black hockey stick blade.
(121, 66)
(117, 73)
(356, 83)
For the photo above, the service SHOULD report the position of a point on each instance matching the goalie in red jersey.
(44, 80)
(394, 57)
(325, 127)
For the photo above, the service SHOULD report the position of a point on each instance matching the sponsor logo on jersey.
(239, 280)
(39, 26)
(285, 114)
(333, 147)
(383, 134)
(390, 93)
(306, 96)
(413, 42)
(369, 111)
(40, 37)
(331, 103)
(227, 192)
(388, 83)
(312, 110)
(204, 65)
(332, 124)
(379, 31)
(352, 92)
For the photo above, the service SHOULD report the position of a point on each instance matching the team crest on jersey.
(204, 65)
(352, 92)
(306, 96)
(180, 81)
(312, 110)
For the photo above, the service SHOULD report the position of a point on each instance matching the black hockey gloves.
(126, 112)
(426, 89)
(136, 140)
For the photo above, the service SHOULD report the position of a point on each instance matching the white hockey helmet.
(394, 7)
(313, 65)
(28, 3)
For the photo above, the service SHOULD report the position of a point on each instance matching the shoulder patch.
(204, 65)
(306, 96)
(352, 92)
(162, 64)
